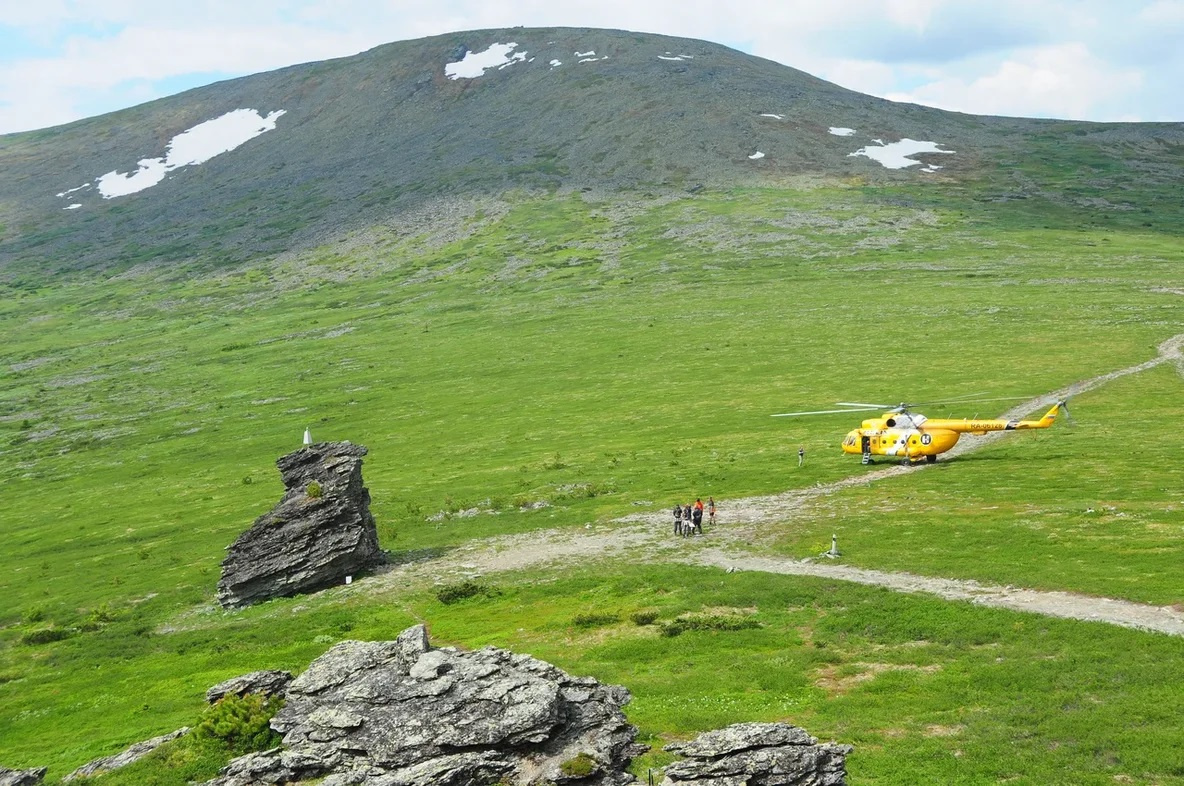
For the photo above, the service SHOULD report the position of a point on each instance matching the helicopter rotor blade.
(969, 396)
(858, 406)
(825, 412)
(1068, 415)
(969, 400)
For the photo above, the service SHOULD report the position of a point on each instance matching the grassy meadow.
(604, 358)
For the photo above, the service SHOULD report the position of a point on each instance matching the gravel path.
(647, 536)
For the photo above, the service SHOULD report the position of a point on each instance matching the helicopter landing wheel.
(931, 459)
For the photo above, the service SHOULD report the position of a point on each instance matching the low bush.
(644, 617)
(580, 766)
(454, 593)
(243, 723)
(686, 622)
(45, 635)
(313, 489)
(595, 620)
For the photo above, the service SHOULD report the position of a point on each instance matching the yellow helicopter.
(902, 433)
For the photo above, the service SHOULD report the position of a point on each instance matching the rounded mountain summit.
(289, 159)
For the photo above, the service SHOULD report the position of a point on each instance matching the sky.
(1104, 60)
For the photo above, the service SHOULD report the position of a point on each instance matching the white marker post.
(307, 437)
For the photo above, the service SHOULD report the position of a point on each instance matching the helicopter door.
(865, 445)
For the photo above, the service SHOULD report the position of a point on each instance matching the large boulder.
(402, 713)
(320, 531)
(757, 754)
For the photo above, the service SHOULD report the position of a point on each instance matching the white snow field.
(895, 155)
(840, 131)
(475, 64)
(195, 146)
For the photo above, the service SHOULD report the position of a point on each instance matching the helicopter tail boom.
(998, 424)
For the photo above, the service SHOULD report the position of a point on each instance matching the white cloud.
(912, 14)
(1163, 12)
(1064, 81)
(51, 90)
(107, 54)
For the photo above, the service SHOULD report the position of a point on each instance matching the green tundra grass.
(608, 358)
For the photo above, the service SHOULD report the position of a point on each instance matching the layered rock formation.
(133, 754)
(758, 754)
(266, 683)
(30, 777)
(320, 531)
(402, 712)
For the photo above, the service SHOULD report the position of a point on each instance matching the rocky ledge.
(120, 760)
(320, 531)
(30, 777)
(402, 712)
(758, 754)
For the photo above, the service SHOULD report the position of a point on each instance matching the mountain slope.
(386, 132)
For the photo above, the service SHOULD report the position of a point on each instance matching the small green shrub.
(686, 622)
(100, 615)
(45, 635)
(645, 617)
(454, 593)
(243, 723)
(313, 489)
(594, 620)
(580, 766)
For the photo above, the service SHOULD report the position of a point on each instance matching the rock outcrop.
(133, 754)
(266, 683)
(402, 713)
(21, 777)
(320, 531)
(758, 754)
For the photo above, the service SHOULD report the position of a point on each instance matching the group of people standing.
(688, 520)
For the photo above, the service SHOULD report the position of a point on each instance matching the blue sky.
(61, 60)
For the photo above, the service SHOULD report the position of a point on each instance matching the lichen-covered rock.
(401, 713)
(30, 777)
(133, 754)
(320, 531)
(758, 754)
(266, 683)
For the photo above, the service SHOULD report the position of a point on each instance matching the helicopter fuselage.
(914, 437)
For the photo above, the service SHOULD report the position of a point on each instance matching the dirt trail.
(647, 536)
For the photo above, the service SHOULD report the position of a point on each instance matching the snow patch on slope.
(475, 64)
(195, 146)
(896, 154)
